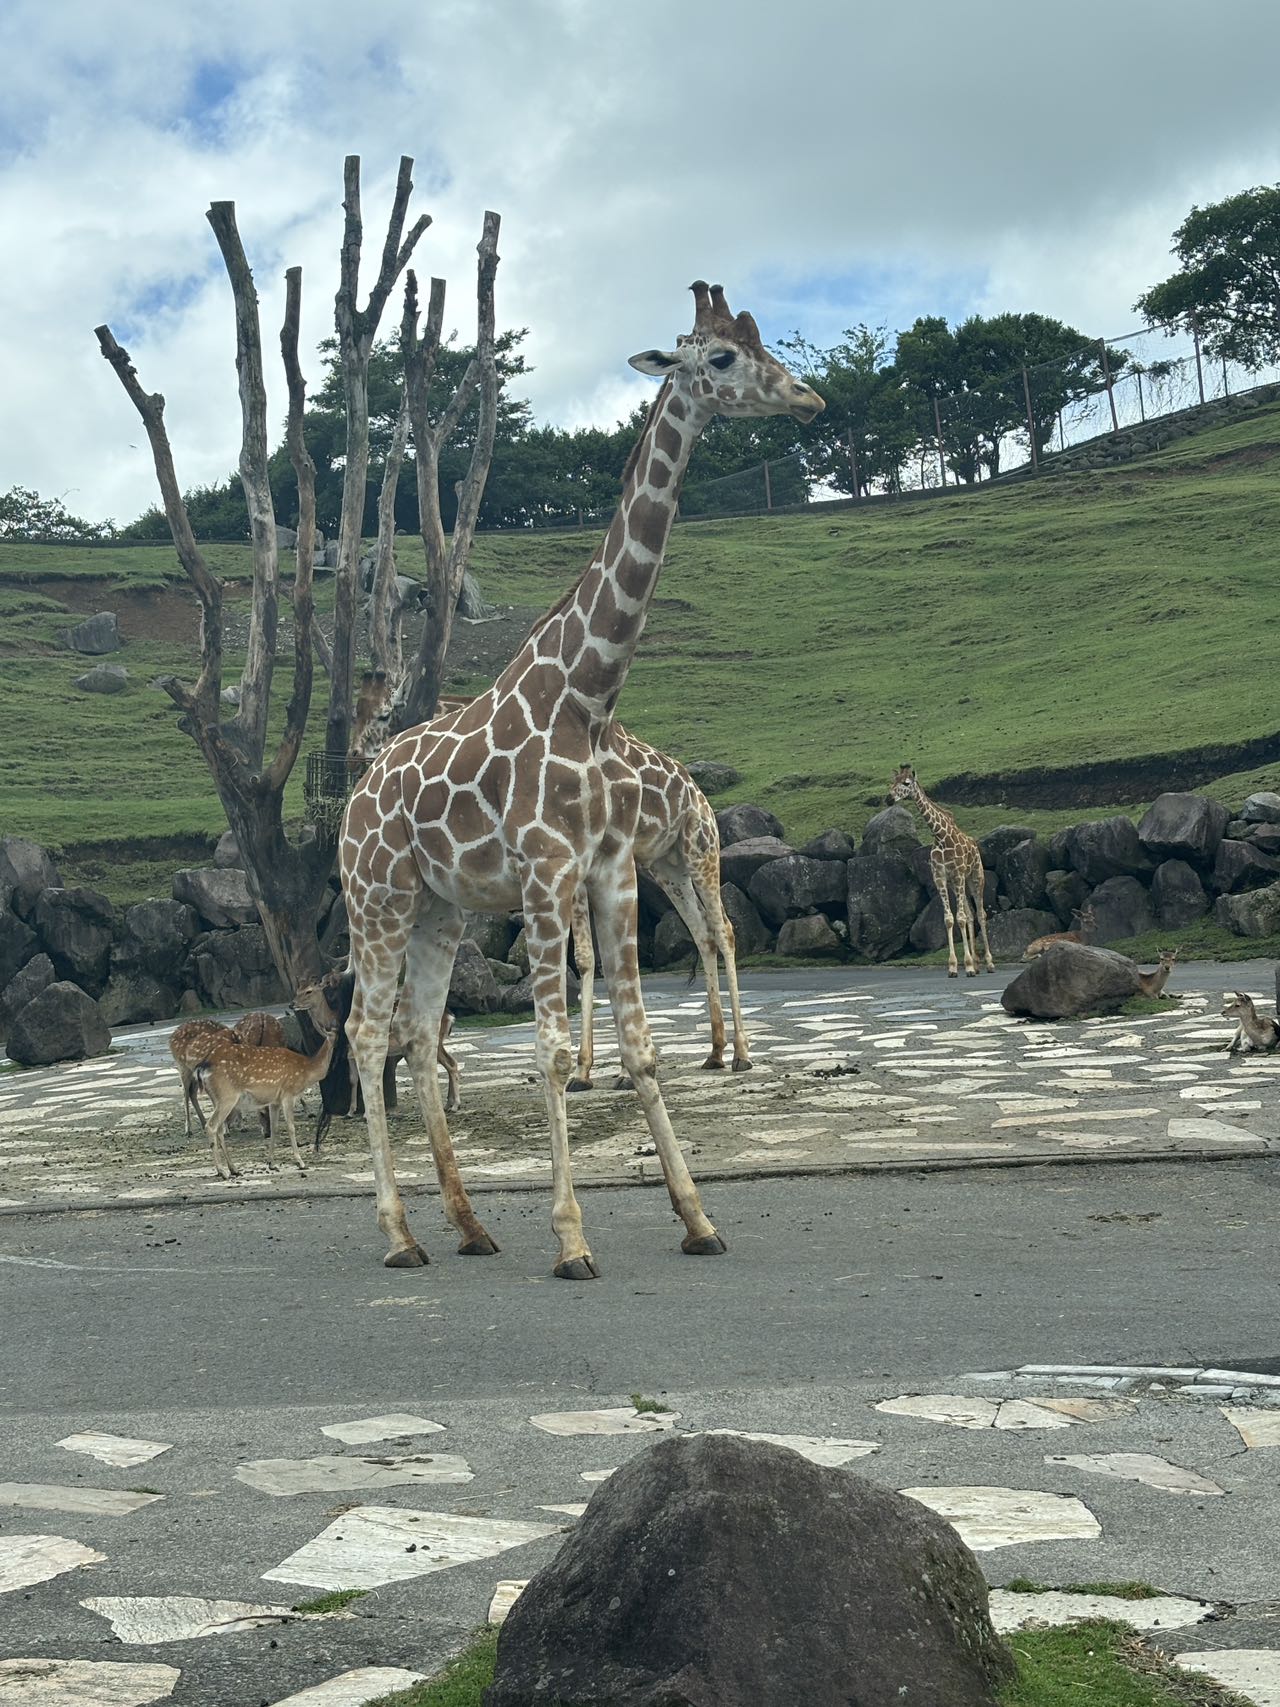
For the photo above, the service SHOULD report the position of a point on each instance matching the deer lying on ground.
(1253, 1030)
(1153, 983)
(1082, 918)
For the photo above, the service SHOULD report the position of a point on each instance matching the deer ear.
(657, 362)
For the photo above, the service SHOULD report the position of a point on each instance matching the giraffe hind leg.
(584, 953)
(980, 913)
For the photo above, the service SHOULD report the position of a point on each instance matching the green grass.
(331, 1602)
(654, 1407)
(1095, 1663)
(1121, 1591)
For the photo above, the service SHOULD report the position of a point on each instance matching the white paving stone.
(139, 1620)
(115, 1449)
(397, 1425)
(963, 1411)
(28, 1559)
(369, 1546)
(1013, 1611)
(597, 1475)
(83, 1683)
(986, 1517)
(1205, 1131)
(1144, 1467)
(505, 1595)
(1255, 1427)
(623, 1420)
(818, 1449)
(355, 1688)
(285, 1476)
(53, 1496)
(1251, 1672)
(574, 1509)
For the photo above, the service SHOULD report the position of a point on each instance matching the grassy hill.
(1079, 617)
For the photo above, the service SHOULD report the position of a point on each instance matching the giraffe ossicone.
(520, 797)
(955, 861)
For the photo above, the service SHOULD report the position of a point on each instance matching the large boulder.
(751, 934)
(493, 933)
(830, 844)
(721, 1572)
(1242, 865)
(810, 938)
(788, 888)
(891, 832)
(1066, 892)
(226, 856)
(26, 869)
(75, 928)
(1009, 933)
(883, 900)
(1183, 826)
(1264, 837)
(103, 678)
(156, 938)
(1121, 908)
(744, 823)
(998, 841)
(1177, 894)
(1255, 913)
(713, 777)
(740, 861)
(1107, 847)
(62, 1023)
(473, 989)
(234, 969)
(671, 941)
(221, 898)
(132, 997)
(1262, 808)
(18, 943)
(1069, 980)
(24, 987)
(929, 932)
(1022, 870)
(95, 635)
(518, 998)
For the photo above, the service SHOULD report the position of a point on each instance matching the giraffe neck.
(941, 823)
(594, 632)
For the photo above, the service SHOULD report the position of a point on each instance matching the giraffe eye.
(724, 359)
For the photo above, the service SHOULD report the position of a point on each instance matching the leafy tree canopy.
(1229, 279)
(24, 514)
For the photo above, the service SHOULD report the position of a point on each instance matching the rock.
(1066, 892)
(26, 869)
(1177, 894)
(132, 996)
(1011, 931)
(713, 777)
(1000, 840)
(1263, 808)
(230, 695)
(157, 938)
(75, 928)
(473, 989)
(519, 952)
(1069, 980)
(746, 823)
(24, 987)
(1183, 826)
(1022, 870)
(891, 832)
(226, 856)
(1107, 847)
(18, 944)
(103, 678)
(1242, 865)
(409, 592)
(493, 933)
(788, 888)
(95, 635)
(471, 604)
(62, 1023)
(503, 971)
(929, 933)
(518, 998)
(810, 938)
(286, 538)
(1120, 909)
(221, 897)
(671, 941)
(328, 558)
(884, 900)
(1059, 846)
(1255, 913)
(234, 969)
(831, 844)
(720, 1572)
(740, 861)
(751, 934)
(1264, 837)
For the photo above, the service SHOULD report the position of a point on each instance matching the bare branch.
(419, 369)
(250, 727)
(303, 608)
(385, 647)
(150, 406)
(395, 256)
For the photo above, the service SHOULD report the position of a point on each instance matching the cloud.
(830, 163)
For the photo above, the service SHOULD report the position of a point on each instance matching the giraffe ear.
(657, 362)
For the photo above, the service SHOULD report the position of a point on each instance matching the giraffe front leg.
(953, 968)
(584, 953)
(368, 1027)
(965, 921)
(979, 905)
(613, 900)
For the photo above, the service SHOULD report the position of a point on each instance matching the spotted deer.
(1253, 1030)
(189, 1044)
(1086, 923)
(1153, 983)
(260, 1031)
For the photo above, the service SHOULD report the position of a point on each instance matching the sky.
(832, 162)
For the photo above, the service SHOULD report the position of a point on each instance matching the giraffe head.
(724, 367)
(372, 727)
(904, 785)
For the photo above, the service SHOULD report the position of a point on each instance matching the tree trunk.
(386, 612)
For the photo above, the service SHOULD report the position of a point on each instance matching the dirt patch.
(168, 615)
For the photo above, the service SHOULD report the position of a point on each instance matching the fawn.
(1084, 921)
(1253, 1030)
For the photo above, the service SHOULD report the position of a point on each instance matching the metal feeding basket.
(325, 792)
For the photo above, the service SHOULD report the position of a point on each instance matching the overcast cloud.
(831, 162)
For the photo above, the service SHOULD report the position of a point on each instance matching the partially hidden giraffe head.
(904, 785)
(372, 727)
(725, 368)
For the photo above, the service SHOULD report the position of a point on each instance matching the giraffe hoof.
(707, 1245)
(743, 1066)
(952, 972)
(624, 1082)
(411, 1256)
(713, 1064)
(579, 1085)
(580, 1268)
(481, 1246)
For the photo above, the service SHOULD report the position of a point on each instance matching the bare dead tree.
(386, 609)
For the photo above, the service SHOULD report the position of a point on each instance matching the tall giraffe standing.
(956, 863)
(519, 797)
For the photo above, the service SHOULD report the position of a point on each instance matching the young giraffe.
(521, 796)
(956, 864)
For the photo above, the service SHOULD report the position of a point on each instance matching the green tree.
(1229, 278)
(24, 514)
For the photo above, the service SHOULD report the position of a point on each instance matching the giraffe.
(956, 863)
(519, 797)
(677, 843)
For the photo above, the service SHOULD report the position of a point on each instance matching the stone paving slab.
(854, 1069)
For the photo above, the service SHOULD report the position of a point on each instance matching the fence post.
(1142, 408)
(1195, 339)
(1062, 437)
(1031, 425)
(853, 464)
(768, 489)
(579, 515)
(1111, 396)
(942, 461)
(1226, 383)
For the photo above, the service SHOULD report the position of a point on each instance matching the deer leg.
(216, 1126)
(269, 1134)
(613, 901)
(429, 959)
(584, 952)
(287, 1106)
